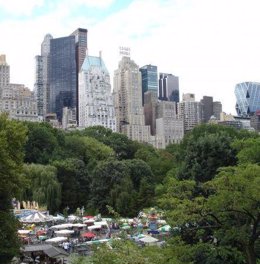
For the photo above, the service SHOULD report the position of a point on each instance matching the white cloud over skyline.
(211, 45)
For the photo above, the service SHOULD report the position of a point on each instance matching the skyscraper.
(128, 101)
(4, 73)
(248, 98)
(169, 87)
(149, 79)
(57, 71)
(95, 98)
(190, 111)
(62, 75)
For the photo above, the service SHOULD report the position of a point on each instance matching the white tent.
(148, 240)
(56, 240)
(36, 217)
(94, 227)
(24, 232)
(58, 217)
(62, 226)
(78, 225)
(64, 232)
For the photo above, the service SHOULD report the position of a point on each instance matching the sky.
(211, 45)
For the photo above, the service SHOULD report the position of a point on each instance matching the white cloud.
(211, 45)
(18, 7)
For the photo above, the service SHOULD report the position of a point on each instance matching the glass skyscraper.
(149, 79)
(63, 74)
(248, 98)
(169, 88)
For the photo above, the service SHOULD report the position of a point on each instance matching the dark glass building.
(62, 74)
(149, 79)
(248, 98)
(169, 88)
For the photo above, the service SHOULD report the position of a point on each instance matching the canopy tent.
(64, 232)
(36, 217)
(93, 227)
(148, 240)
(79, 225)
(24, 232)
(62, 226)
(88, 235)
(56, 240)
(58, 217)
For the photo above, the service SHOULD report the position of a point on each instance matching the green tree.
(42, 143)
(43, 186)
(12, 140)
(126, 252)
(229, 217)
(106, 175)
(74, 179)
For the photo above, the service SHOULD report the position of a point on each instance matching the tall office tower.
(149, 79)
(4, 73)
(207, 107)
(128, 101)
(168, 125)
(150, 102)
(81, 50)
(248, 98)
(190, 111)
(41, 85)
(95, 98)
(57, 71)
(81, 46)
(169, 87)
(62, 75)
(217, 109)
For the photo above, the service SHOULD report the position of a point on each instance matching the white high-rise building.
(95, 98)
(190, 111)
(4, 73)
(128, 101)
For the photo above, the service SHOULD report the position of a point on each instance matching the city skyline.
(210, 45)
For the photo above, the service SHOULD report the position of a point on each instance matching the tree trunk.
(250, 254)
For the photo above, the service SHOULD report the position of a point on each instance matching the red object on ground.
(88, 216)
(88, 235)
(41, 232)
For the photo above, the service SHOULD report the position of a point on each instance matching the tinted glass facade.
(62, 74)
(169, 87)
(248, 98)
(149, 79)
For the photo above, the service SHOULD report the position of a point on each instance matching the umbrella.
(23, 232)
(88, 235)
(62, 226)
(88, 216)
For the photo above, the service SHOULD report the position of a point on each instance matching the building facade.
(149, 79)
(62, 75)
(169, 87)
(190, 111)
(128, 101)
(4, 73)
(169, 126)
(247, 98)
(210, 108)
(96, 105)
(57, 71)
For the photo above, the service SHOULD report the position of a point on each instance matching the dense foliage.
(208, 186)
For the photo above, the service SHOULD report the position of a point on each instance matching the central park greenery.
(208, 187)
